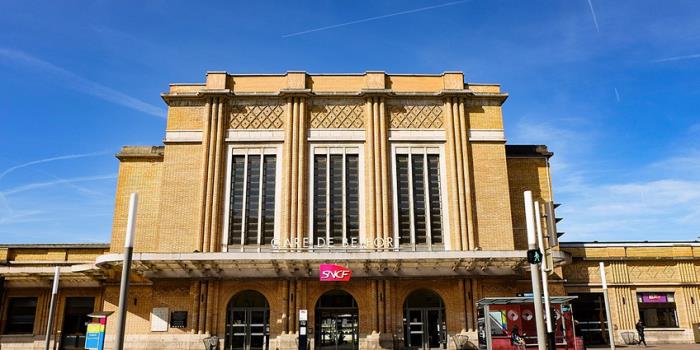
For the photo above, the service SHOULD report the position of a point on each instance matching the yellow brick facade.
(184, 262)
(634, 268)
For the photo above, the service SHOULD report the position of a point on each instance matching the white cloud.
(661, 203)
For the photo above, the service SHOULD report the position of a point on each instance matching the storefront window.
(657, 310)
(20, 315)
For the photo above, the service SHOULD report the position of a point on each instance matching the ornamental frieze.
(650, 272)
(415, 114)
(582, 271)
(187, 103)
(256, 114)
(337, 114)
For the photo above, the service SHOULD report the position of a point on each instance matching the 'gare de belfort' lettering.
(322, 242)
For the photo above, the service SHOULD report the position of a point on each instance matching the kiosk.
(504, 314)
(95, 337)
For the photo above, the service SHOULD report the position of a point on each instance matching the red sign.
(331, 273)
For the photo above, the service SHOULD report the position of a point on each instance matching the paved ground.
(656, 347)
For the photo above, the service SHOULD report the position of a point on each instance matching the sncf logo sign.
(331, 272)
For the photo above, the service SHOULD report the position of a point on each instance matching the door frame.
(425, 327)
(355, 311)
(247, 333)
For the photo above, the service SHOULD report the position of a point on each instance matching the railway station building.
(404, 180)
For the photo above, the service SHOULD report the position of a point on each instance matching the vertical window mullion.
(410, 198)
(344, 190)
(245, 196)
(261, 196)
(426, 182)
(312, 197)
(328, 196)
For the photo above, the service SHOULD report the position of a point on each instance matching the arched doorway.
(247, 322)
(336, 321)
(424, 320)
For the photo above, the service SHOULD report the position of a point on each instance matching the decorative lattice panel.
(337, 114)
(652, 271)
(257, 114)
(583, 271)
(415, 114)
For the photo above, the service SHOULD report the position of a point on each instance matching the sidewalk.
(652, 347)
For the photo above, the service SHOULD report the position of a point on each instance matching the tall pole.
(534, 271)
(52, 307)
(611, 338)
(126, 267)
(545, 281)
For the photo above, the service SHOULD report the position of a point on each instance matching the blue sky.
(613, 88)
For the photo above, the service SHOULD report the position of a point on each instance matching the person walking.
(640, 332)
(516, 339)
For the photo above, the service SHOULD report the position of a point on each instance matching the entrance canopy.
(306, 264)
(523, 300)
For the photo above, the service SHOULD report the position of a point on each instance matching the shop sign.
(654, 298)
(332, 273)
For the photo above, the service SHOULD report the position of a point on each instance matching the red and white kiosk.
(504, 314)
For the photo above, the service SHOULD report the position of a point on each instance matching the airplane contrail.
(36, 185)
(374, 18)
(51, 159)
(81, 84)
(676, 58)
(595, 18)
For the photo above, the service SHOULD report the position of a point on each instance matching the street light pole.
(611, 337)
(52, 307)
(545, 281)
(126, 267)
(534, 271)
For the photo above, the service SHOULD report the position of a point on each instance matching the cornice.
(471, 98)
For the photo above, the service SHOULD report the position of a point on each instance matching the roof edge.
(528, 151)
(55, 245)
(131, 152)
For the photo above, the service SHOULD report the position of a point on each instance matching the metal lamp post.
(545, 281)
(126, 267)
(534, 271)
(611, 336)
(52, 307)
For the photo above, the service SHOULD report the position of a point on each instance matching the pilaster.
(212, 170)
(458, 174)
(378, 214)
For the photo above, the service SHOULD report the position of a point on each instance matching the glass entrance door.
(75, 319)
(425, 328)
(336, 322)
(424, 321)
(338, 330)
(247, 329)
(247, 322)
(415, 327)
